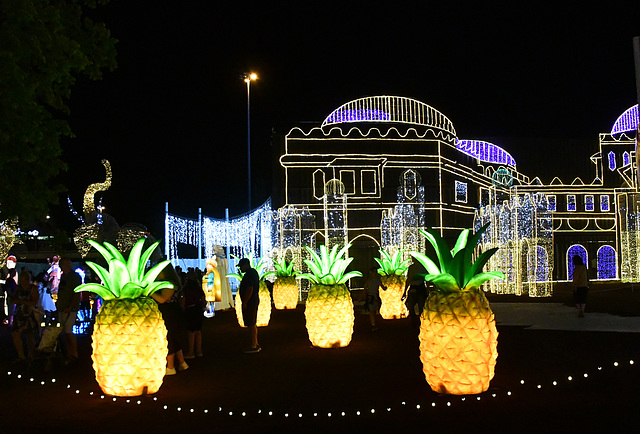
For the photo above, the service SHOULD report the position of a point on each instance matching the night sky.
(540, 82)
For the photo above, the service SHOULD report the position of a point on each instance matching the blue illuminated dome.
(628, 121)
(389, 110)
(485, 151)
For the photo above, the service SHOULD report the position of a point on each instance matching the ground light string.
(448, 401)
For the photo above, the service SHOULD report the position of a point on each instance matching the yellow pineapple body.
(329, 316)
(129, 347)
(238, 302)
(458, 342)
(392, 305)
(285, 293)
(264, 308)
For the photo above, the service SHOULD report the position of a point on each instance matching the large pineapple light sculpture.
(458, 335)
(329, 308)
(392, 271)
(285, 288)
(264, 306)
(129, 336)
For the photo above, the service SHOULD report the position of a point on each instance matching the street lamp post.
(248, 78)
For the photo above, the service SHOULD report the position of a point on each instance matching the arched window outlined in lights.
(572, 251)
(411, 180)
(607, 263)
(612, 161)
(625, 159)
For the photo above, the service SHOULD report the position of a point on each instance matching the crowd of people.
(29, 305)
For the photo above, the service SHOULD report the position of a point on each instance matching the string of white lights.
(250, 232)
(527, 386)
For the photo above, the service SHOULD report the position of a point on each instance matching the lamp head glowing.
(249, 76)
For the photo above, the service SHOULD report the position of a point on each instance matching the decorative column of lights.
(292, 229)
(521, 230)
(400, 226)
(335, 214)
(629, 221)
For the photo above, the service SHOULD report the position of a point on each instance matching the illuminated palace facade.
(380, 168)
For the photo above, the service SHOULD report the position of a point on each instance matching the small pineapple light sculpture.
(392, 271)
(458, 335)
(329, 308)
(285, 288)
(264, 306)
(129, 335)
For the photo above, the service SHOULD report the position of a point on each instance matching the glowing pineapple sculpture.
(329, 309)
(285, 288)
(392, 271)
(264, 306)
(129, 338)
(458, 335)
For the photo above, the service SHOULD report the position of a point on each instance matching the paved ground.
(555, 373)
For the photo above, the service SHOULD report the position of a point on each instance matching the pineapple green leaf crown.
(285, 270)
(329, 267)
(392, 265)
(457, 271)
(125, 279)
(260, 266)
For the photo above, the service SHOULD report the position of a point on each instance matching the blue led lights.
(551, 200)
(355, 115)
(628, 121)
(607, 264)
(461, 192)
(574, 250)
(588, 202)
(485, 151)
(612, 161)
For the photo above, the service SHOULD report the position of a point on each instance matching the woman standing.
(24, 321)
(581, 284)
(169, 303)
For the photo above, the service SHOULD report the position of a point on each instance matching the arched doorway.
(607, 263)
(572, 251)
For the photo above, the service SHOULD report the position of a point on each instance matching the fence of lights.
(523, 387)
(249, 232)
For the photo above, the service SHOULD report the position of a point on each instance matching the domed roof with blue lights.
(628, 121)
(485, 151)
(390, 109)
